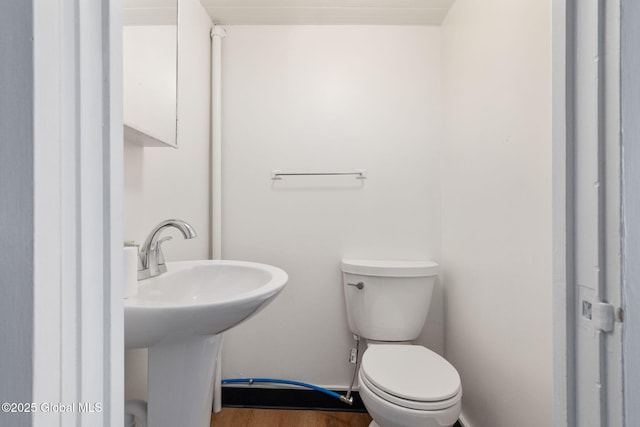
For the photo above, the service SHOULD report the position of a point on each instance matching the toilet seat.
(410, 376)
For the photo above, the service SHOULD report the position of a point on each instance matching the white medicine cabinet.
(149, 62)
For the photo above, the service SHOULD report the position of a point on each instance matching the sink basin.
(199, 298)
(180, 316)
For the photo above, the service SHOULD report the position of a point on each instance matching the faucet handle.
(156, 247)
(162, 268)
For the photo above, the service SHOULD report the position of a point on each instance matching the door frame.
(630, 183)
(587, 137)
(78, 315)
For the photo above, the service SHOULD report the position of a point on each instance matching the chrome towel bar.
(278, 174)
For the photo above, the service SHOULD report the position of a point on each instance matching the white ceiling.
(149, 12)
(283, 12)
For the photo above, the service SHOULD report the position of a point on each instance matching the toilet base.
(374, 424)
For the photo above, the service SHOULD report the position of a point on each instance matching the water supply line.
(252, 381)
(347, 398)
(353, 358)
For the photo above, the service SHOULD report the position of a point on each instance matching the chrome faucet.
(150, 259)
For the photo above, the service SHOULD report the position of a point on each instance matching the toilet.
(401, 384)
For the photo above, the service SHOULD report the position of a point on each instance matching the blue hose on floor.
(276, 381)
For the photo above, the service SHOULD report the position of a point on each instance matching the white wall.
(326, 98)
(163, 183)
(496, 217)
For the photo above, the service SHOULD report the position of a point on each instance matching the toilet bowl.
(409, 386)
(401, 385)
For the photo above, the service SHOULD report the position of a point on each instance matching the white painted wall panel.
(326, 98)
(496, 217)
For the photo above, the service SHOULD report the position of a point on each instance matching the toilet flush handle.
(358, 285)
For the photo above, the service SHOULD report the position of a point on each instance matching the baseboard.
(278, 398)
(462, 422)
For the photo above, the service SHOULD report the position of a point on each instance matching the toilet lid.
(410, 372)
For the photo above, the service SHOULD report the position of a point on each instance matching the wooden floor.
(241, 417)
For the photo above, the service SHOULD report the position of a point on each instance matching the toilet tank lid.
(388, 268)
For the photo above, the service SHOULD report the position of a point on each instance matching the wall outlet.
(353, 356)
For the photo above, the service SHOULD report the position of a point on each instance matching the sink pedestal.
(180, 316)
(180, 381)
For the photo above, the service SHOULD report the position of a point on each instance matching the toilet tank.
(388, 300)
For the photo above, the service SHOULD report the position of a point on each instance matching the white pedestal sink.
(179, 316)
